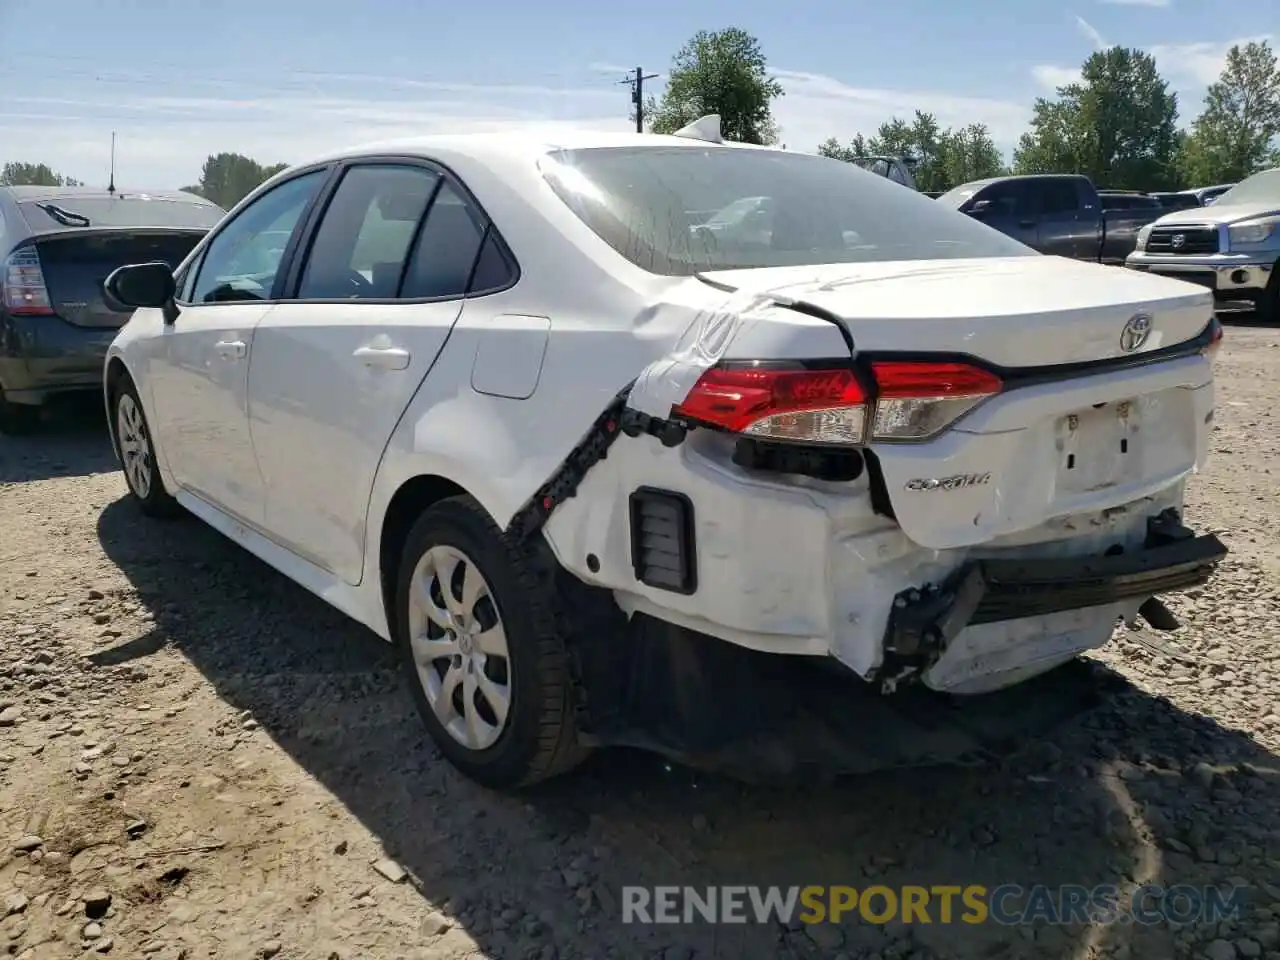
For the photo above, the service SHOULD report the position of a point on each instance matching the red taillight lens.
(918, 400)
(802, 406)
(25, 292)
(912, 400)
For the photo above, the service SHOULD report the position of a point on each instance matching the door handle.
(231, 349)
(388, 358)
(1026, 223)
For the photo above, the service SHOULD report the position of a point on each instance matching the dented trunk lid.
(1083, 424)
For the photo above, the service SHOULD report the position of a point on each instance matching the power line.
(637, 94)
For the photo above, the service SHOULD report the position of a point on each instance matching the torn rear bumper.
(924, 621)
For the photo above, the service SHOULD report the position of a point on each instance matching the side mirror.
(141, 285)
(980, 209)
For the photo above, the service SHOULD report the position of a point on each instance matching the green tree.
(941, 158)
(721, 72)
(1234, 135)
(968, 154)
(1117, 125)
(16, 174)
(833, 148)
(227, 178)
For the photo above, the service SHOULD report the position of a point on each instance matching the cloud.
(1197, 64)
(1051, 77)
(1091, 33)
(1161, 4)
(167, 127)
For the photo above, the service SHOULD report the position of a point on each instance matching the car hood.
(1220, 213)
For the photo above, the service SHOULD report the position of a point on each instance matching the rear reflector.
(1215, 338)
(663, 554)
(909, 400)
(25, 292)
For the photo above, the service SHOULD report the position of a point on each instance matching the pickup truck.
(1232, 247)
(1058, 214)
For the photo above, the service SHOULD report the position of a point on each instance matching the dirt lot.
(199, 759)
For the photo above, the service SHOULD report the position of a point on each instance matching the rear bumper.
(44, 356)
(926, 620)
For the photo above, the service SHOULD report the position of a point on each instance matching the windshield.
(1262, 187)
(64, 213)
(643, 202)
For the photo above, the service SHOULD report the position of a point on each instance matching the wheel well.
(117, 372)
(409, 502)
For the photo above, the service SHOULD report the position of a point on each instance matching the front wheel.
(138, 455)
(478, 642)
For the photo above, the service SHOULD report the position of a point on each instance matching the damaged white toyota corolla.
(746, 456)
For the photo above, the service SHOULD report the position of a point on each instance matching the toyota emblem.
(1179, 239)
(1135, 332)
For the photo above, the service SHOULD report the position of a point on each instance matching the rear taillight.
(25, 292)
(916, 401)
(901, 400)
(778, 403)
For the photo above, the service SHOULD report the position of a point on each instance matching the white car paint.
(297, 448)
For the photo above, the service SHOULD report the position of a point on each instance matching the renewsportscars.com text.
(1007, 904)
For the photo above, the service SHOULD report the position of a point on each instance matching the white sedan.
(495, 399)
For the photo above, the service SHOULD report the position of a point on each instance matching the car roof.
(30, 194)
(523, 144)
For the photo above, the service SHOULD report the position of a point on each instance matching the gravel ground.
(199, 759)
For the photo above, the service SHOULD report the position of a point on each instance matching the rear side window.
(495, 269)
(1058, 196)
(360, 249)
(447, 250)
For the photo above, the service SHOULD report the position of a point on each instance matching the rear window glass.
(69, 213)
(771, 208)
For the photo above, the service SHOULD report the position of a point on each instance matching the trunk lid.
(1055, 443)
(1011, 312)
(75, 264)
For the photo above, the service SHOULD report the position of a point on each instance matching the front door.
(200, 379)
(336, 365)
(1007, 206)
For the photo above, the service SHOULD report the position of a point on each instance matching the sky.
(283, 80)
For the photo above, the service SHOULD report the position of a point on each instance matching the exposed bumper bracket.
(925, 620)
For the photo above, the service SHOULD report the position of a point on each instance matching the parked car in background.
(1124, 213)
(1211, 195)
(1232, 247)
(897, 169)
(604, 479)
(1177, 200)
(1058, 214)
(58, 244)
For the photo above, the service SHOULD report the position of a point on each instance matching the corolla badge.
(957, 482)
(1136, 332)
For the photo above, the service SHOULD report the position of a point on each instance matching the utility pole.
(111, 186)
(637, 94)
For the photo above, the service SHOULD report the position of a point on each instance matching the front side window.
(363, 241)
(241, 262)
(645, 203)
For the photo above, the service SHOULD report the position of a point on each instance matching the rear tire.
(18, 419)
(138, 458)
(487, 668)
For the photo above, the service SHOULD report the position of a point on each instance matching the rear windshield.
(770, 208)
(68, 213)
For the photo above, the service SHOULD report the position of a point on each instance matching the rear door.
(1069, 217)
(335, 366)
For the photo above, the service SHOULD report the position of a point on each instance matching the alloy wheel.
(459, 647)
